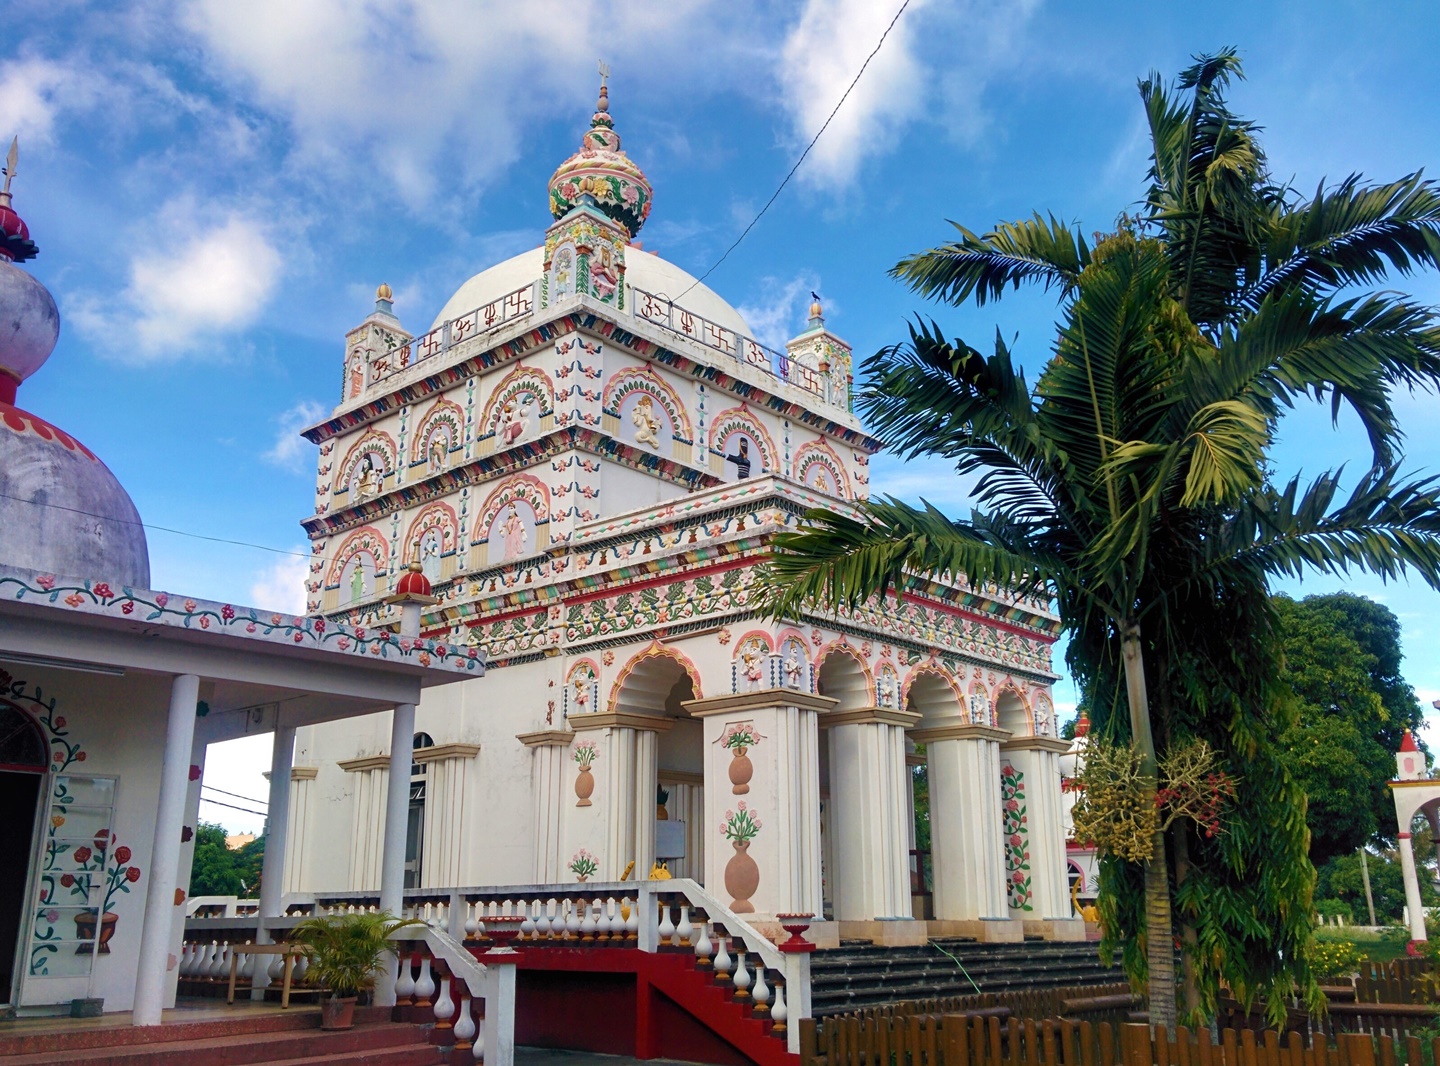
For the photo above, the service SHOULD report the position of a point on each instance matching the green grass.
(1382, 946)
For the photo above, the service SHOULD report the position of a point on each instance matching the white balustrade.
(464, 1028)
(742, 977)
(779, 1014)
(444, 1004)
(405, 983)
(683, 928)
(424, 984)
(632, 918)
(703, 947)
(666, 928)
(722, 960)
(760, 993)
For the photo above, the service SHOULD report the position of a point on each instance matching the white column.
(397, 809)
(277, 824)
(966, 861)
(1412, 889)
(867, 778)
(397, 817)
(153, 961)
(550, 751)
(1037, 758)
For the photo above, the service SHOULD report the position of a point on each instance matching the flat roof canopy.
(317, 670)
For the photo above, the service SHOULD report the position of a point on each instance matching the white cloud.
(935, 63)
(778, 315)
(291, 450)
(425, 93)
(34, 91)
(281, 585)
(204, 281)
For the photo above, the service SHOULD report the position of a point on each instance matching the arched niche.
(930, 694)
(23, 747)
(842, 676)
(1011, 712)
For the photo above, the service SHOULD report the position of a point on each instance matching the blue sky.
(217, 188)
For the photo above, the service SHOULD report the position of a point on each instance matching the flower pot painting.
(742, 875)
(85, 930)
(110, 866)
(584, 756)
(583, 865)
(738, 739)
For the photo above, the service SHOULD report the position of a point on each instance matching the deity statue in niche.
(357, 582)
(752, 664)
(647, 426)
(582, 694)
(430, 554)
(514, 420)
(1044, 720)
(357, 373)
(513, 530)
(885, 689)
(741, 458)
(792, 669)
(564, 273)
(370, 479)
(436, 457)
(603, 277)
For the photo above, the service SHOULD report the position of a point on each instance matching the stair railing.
(489, 985)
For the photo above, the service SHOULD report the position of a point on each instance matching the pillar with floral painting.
(762, 802)
(1033, 837)
(609, 806)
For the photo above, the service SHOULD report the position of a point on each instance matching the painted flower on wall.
(583, 864)
(1016, 829)
(740, 826)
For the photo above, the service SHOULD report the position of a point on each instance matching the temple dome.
(642, 270)
(600, 170)
(62, 509)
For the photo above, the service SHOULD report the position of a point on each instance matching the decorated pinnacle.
(15, 243)
(600, 174)
(384, 292)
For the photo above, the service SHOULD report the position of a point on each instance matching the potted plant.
(345, 952)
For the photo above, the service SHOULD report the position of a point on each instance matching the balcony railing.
(652, 307)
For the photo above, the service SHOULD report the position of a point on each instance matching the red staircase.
(623, 1001)
(289, 1039)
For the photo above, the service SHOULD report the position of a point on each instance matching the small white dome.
(642, 271)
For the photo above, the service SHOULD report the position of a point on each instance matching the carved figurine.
(647, 426)
(370, 479)
(792, 669)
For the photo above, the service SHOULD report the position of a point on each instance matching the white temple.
(586, 455)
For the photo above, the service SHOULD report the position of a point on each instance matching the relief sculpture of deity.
(647, 426)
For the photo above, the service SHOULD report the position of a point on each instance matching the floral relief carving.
(1015, 825)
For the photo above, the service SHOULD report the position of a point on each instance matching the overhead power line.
(247, 810)
(161, 529)
(776, 195)
(236, 795)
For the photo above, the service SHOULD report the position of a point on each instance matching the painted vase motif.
(85, 930)
(742, 878)
(741, 770)
(584, 786)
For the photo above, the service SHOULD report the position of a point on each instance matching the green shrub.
(1334, 908)
(1334, 957)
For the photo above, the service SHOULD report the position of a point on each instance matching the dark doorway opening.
(19, 793)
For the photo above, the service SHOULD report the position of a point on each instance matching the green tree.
(217, 870)
(1341, 879)
(1131, 485)
(1342, 661)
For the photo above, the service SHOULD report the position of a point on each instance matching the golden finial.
(12, 157)
(383, 292)
(816, 311)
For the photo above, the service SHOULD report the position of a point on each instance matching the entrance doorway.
(24, 761)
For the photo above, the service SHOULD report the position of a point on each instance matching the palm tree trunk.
(1189, 938)
(1159, 932)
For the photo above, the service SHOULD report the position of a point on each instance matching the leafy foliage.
(1342, 661)
(218, 871)
(1131, 484)
(1334, 958)
(345, 949)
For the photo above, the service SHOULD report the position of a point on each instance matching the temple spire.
(12, 158)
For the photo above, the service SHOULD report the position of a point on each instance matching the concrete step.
(387, 1043)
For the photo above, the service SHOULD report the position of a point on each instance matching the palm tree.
(1131, 483)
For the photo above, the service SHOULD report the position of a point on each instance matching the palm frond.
(1351, 234)
(839, 560)
(1385, 527)
(1039, 249)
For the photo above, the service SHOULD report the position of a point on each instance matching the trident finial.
(604, 73)
(11, 158)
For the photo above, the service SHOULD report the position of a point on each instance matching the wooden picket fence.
(1397, 981)
(974, 1040)
(1092, 1003)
